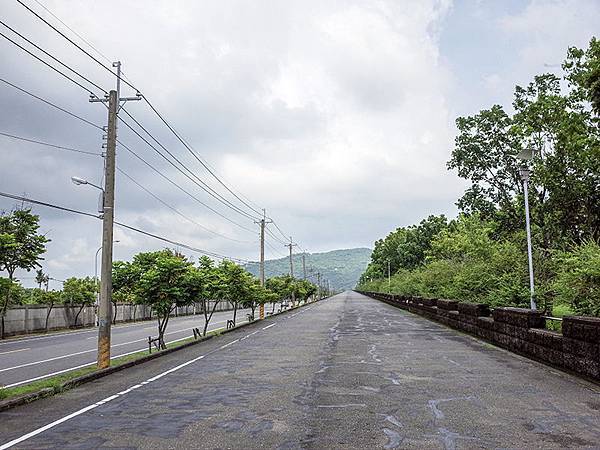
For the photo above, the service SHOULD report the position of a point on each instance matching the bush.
(577, 282)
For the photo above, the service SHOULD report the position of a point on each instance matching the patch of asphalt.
(350, 372)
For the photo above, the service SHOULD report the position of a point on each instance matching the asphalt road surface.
(348, 372)
(27, 359)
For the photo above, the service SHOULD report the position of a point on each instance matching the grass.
(56, 382)
(558, 311)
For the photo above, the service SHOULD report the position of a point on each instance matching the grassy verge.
(56, 382)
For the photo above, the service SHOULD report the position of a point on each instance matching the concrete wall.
(576, 348)
(32, 318)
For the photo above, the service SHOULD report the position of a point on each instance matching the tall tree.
(21, 247)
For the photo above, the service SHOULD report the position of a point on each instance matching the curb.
(70, 384)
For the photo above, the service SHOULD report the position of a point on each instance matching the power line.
(58, 147)
(129, 227)
(161, 117)
(177, 168)
(200, 160)
(49, 65)
(176, 210)
(121, 144)
(71, 41)
(73, 31)
(49, 55)
(199, 182)
(49, 103)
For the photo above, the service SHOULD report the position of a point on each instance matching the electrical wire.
(58, 147)
(155, 110)
(139, 158)
(197, 157)
(49, 55)
(129, 227)
(49, 65)
(177, 168)
(145, 189)
(199, 182)
(49, 103)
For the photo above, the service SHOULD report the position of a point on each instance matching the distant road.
(345, 373)
(38, 356)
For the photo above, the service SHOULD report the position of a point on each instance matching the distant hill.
(341, 267)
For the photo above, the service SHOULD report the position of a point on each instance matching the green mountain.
(341, 267)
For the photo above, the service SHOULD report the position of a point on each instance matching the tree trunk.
(207, 316)
(235, 305)
(115, 312)
(274, 304)
(77, 316)
(6, 302)
(50, 306)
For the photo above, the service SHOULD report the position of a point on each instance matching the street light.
(78, 181)
(524, 172)
(389, 278)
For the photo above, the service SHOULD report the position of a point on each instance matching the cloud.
(332, 115)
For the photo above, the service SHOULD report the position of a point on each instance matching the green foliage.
(21, 247)
(404, 248)
(481, 256)
(79, 291)
(577, 283)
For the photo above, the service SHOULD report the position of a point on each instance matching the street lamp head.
(526, 154)
(78, 181)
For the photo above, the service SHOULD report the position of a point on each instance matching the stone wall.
(576, 348)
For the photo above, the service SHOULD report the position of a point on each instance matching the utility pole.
(262, 222)
(108, 211)
(291, 245)
(304, 264)
(319, 285)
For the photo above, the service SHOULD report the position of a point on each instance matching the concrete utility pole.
(262, 222)
(105, 305)
(291, 245)
(304, 264)
(319, 285)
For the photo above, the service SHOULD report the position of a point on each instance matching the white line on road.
(41, 377)
(14, 351)
(33, 363)
(109, 399)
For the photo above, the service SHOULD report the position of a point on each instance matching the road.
(27, 359)
(348, 372)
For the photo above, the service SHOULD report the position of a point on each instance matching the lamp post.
(389, 278)
(525, 173)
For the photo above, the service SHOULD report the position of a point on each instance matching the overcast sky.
(335, 116)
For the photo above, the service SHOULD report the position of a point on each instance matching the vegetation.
(481, 255)
(21, 247)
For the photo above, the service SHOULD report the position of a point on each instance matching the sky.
(337, 117)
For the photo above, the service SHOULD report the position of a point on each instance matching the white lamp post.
(524, 172)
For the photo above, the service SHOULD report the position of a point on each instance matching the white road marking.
(33, 363)
(14, 351)
(94, 329)
(41, 377)
(111, 398)
(269, 326)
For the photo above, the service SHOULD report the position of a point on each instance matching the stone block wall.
(521, 330)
